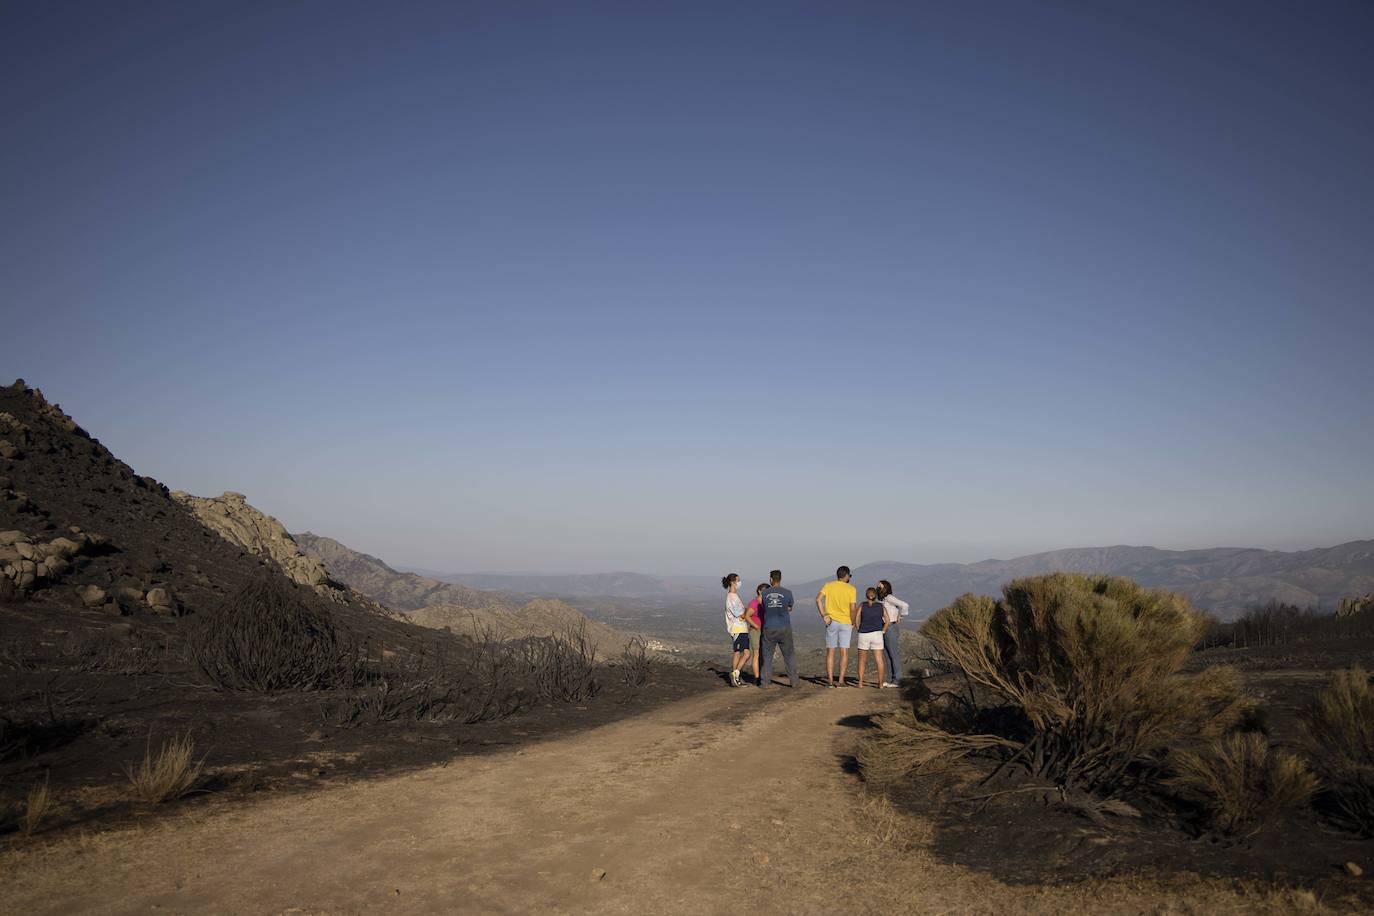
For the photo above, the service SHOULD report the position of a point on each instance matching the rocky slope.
(444, 605)
(397, 590)
(232, 518)
(86, 541)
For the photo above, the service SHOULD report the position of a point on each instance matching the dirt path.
(662, 803)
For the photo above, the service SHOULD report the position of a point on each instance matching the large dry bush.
(1240, 783)
(271, 635)
(1338, 730)
(1076, 679)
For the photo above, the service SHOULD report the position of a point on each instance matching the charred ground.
(1028, 837)
(94, 667)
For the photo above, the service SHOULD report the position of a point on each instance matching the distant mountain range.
(1223, 580)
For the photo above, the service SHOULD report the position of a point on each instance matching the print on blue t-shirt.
(776, 604)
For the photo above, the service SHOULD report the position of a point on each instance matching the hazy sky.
(586, 287)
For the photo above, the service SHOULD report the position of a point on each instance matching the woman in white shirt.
(736, 626)
(894, 609)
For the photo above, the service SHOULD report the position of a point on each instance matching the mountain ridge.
(445, 605)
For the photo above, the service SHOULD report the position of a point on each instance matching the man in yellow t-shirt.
(837, 602)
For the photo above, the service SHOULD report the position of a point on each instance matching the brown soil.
(734, 800)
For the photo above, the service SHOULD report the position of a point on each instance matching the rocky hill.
(1224, 580)
(590, 585)
(85, 540)
(458, 608)
(232, 518)
(540, 617)
(397, 590)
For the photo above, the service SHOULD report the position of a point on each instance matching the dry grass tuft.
(169, 774)
(1242, 783)
(905, 745)
(36, 807)
(1338, 734)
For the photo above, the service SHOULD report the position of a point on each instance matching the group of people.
(764, 626)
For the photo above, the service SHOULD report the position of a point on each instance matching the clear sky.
(688, 288)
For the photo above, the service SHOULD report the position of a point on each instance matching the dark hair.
(727, 579)
(758, 590)
(884, 587)
(871, 593)
(775, 576)
(841, 572)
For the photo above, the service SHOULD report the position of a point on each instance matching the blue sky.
(681, 288)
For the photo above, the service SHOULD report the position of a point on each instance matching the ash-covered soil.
(1039, 838)
(93, 663)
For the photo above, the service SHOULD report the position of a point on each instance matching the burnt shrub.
(1338, 736)
(635, 664)
(268, 636)
(1240, 784)
(1073, 680)
(560, 668)
(486, 678)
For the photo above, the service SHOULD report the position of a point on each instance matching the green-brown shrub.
(1085, 668)
(270, 635)
(1338, 733)
(1242, 784)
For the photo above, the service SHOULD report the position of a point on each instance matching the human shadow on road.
(858, 720)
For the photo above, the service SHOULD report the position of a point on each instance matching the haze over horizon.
(693, 288)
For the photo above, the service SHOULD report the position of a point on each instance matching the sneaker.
(888, 685)
(830, 683)
(735, 680)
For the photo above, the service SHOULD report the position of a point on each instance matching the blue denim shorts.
(837, 635)
(739, 642)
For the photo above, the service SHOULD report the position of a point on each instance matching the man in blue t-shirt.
(775, 605)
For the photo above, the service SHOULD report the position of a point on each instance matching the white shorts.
(871, 641)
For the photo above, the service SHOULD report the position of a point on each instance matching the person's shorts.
(739, 642)
(837, 635)
(754, 639)
(872, 641)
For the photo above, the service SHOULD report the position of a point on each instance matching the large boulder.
(159, 601)
(91, 595)
(232, 518)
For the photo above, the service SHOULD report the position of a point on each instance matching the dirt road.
(734, 801)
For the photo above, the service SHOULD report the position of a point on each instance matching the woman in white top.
(736, 626)
(894, 609)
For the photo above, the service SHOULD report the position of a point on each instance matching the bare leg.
(756, 659)
(882, 673)
(844, 664)
(830, 666)
(862, 653)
